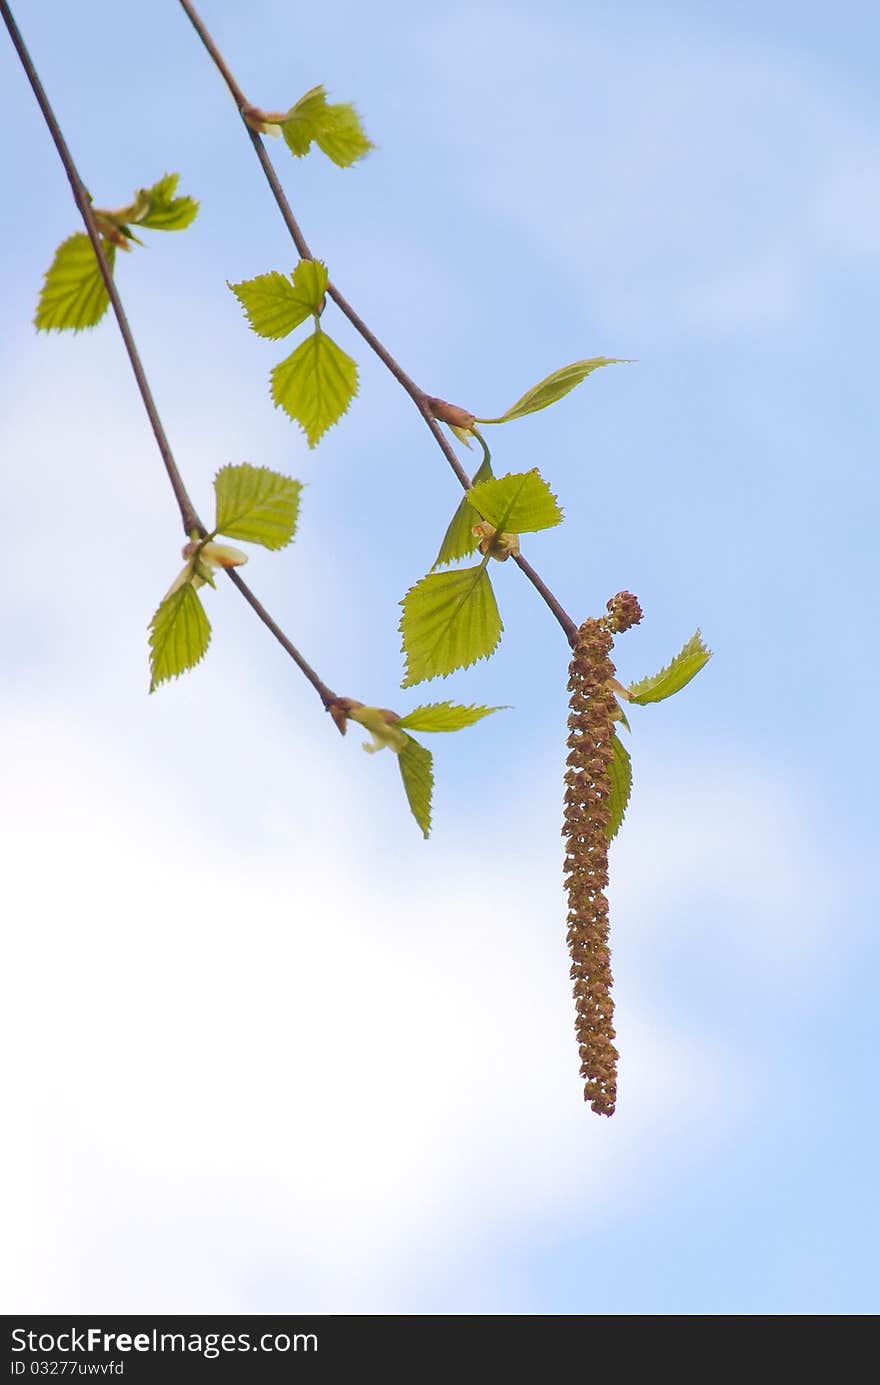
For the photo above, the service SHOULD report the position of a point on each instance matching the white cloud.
(297, 1060)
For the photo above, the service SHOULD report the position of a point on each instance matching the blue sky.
(273, 1052)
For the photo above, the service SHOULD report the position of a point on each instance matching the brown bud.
(452, 414)
(339, 711)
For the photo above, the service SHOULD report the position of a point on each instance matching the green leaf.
(275, 304)
(162, 211)
(303, 120)
(459, 540)
(256, 504)
(180, 632)
(620, 715)
(310, 279)
(73, 294)
(554, 387)
(450, 619)
(315, 385)
(519, 503)
(445, 716)
(417, 772)
(620, 774)
(677, 674)
(335, 128)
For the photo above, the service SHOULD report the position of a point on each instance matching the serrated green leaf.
(73, 295)
(417, 772)
(315, 385)
(256, 504)
(459, 540)
(554, 387)
(620, 774)
(342, 136)
(275, 305)
(303, 120)
(445, 716)
(158, 208)
(450, 619)
(677, 674)
(310, 279)
(520, 503)
(180, 632)
(335, 128)
(271, 304)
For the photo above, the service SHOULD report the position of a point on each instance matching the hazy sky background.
(268, 1050)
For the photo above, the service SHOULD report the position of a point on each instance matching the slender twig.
(419, 396)
(189, 517)
(81, 198)
(327, 697)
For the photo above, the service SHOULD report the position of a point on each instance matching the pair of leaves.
(523, 505)
(159, 208)
(451, 619)
(334, 126)
(317, 382)
(415, 761)
(255, 505)
(74, 295)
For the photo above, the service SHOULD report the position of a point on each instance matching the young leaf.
(310, 280)
(620, 715)
(162, 210)
(417, 772)
(180, 632)
(73, 294)
(677, 674)
(383, 726)
(445, 716)
(519, 503)
(315, 385)
(302, 121)
(554, 387)
(450, 619)
(620, 774)
(275, 305)
(256, 504)
(335, 128)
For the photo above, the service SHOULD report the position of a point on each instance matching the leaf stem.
(188, 514)
(419, 396)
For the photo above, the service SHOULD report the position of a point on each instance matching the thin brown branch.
(327, 697)
(188, 514)
(420, 397)
(187, 510)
